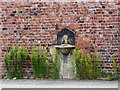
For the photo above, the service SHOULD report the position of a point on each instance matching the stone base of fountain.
(66, 63)
(66, 68)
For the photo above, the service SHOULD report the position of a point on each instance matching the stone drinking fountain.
(65, 46)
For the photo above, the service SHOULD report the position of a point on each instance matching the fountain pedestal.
(66, 67)
(65, 45)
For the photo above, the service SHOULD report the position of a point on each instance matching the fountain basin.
(65, 49)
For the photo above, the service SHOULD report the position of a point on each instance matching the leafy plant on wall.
(77, 61)
(56, 69)
(34, 58)
(39, 63)
(8, 65)
(96, 73)
(14, 61)
(109, 75)
(88, 68)
(85, 69)
(44, 65)
(114, 65)
(21, 54)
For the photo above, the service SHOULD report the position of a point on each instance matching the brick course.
(37, 23)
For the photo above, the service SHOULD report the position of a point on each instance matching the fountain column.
(67, 71)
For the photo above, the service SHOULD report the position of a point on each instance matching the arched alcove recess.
(69, 33)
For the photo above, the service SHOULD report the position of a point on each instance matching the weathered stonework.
(37, 23)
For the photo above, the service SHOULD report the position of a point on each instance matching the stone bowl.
(65, 49)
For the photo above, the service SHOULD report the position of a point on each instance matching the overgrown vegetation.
(114, 66)
(39, 63)
(14, 61)
(8, 65)
(96, 72)
(56, 68)
(109, 75)
(88, 68)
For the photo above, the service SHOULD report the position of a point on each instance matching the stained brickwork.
(37, 23)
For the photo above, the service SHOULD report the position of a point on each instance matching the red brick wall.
(37, 23)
